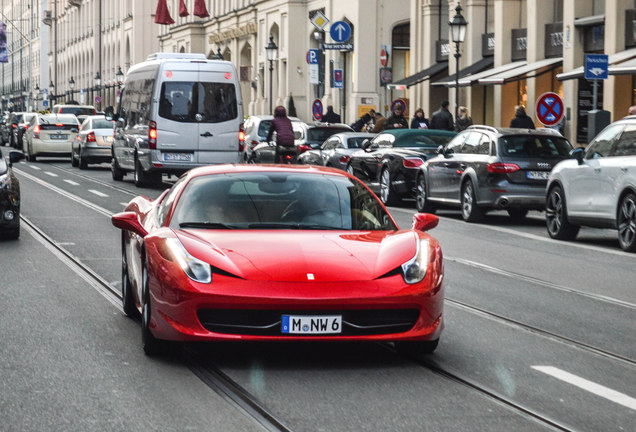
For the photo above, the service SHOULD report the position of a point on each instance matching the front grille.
(357, 322)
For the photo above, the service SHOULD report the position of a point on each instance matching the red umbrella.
(162, 16)
(200, 10)
(183, 10)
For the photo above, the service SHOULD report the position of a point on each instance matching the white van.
(177, 111)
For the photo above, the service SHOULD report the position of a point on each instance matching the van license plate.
(59, 137)
(538, 175)
(317, 324)
(179, 157)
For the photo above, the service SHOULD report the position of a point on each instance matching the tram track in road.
(216, 380)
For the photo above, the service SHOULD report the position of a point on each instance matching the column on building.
(616, 99)
(473, 50)
(507, 18)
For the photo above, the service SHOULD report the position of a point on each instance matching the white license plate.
(317, 324)
(59, 137)
(180, 157)
(538, 175)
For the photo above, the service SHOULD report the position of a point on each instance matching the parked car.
(389, 162)
(22, 126)
(198, 263)
(4, 131)
(336, 151)
(50, 135)
(94, 142)
(177, 111)
(597, 187)
(256, 130)
(77, 110)
(9, 194)
(307, 136)
(12, 124)
(485, 168)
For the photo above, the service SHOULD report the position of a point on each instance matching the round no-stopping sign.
(398, 102)
(316, 109)
(549, 109)
(383, 57)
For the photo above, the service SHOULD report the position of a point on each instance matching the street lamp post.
(98, 86)
(458, 33)
(52, 92)
(272, 53)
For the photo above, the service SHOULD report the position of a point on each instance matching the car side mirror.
(366, 143)
(440, 150)
(128, 221)
(578, 154)
(15, 156)
(424, 221)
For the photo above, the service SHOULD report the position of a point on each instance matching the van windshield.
(213, 102)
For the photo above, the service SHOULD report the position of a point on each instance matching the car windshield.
(103, 124)
(525, 146)
(356, 142)
(320, 135)
(279, 200)
(78, 110)
(194, 102)
(430, 141)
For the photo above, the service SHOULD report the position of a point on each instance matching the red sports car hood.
(297, 256)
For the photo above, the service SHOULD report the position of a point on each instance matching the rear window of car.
(319, 134)
(103, 124)
(356, 142)
(198, 102)
(529, 146)
(263, 128)
(425, 141)
(58, 121)
(78, 110)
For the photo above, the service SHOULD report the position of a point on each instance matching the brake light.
(412, 162)
(26, 127)
(152, 135)
(502, 168)
(241, 138)
(36, 132)
(303, 148)
(14, 125)
(59, 124)
(344, 159)
(90, 137)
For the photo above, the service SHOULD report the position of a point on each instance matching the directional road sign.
(549, 109)
(337, 79)
(316, 109)
(312, 56)
(596, 66)
(319, 20)
(340, 31)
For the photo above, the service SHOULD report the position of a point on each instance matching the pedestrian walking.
(330, 116)
(281, 124)
(463, 119)
(419, 121)
(397, 119)
(632, 110)
(521, 119)
(442, 118)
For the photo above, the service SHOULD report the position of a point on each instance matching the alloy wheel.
(627, 223)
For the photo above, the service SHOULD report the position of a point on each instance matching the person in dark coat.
(281, 124)
(463, 119)
(361, 123)
(397, 119)
(419, 121)
(521, 119)
(330, 116)
(442, 118)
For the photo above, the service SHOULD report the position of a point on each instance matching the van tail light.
(90, 137)
(152, 135)
(241, 138)
(36, 132)
(14, 125)
(344, 159)
(303, 148)
(26, 127)
(502, 168)
(412, 162)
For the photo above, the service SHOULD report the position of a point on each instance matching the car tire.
(143, 178)
(422, 203)
(416, 348)
(82, 162)
(74, 159)
(151, 345)
(626, 222)
(116, 171)
(387, 195)
(517, 213)
(471, 212)
(128, 303)
(556, 216)
(30, 156)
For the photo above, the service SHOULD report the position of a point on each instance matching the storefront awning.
(589, 21)
(479, 66)
(422, 75)
(613, 59)
(474, 78)
(516, 73)
(625, 68)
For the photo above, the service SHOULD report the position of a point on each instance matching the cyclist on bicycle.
(281, 124)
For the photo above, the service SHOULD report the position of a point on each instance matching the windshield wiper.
(209, 225)
(274, 225)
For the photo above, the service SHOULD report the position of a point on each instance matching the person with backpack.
(281, 124)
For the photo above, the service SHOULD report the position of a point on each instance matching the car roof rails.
(176, 56)
(484, 127)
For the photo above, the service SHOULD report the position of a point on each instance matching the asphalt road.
(539, 335)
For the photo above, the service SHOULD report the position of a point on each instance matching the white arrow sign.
(597, 71)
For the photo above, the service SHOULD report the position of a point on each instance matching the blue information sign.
(312, 56)
(340, 31)
(596, 66)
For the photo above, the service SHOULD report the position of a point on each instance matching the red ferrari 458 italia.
(272, 253)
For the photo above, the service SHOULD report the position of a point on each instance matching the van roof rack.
(169, 55)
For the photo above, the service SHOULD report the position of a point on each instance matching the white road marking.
(49, 173)
(592, 387)
(71, 182)
(98, 193)
(35, 167)
(123, 204)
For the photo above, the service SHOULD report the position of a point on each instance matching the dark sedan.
(9, 194)
(390, 161)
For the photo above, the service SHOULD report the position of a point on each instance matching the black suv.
(485, 168)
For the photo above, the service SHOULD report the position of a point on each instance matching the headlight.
(4, 179)
(414, 270)
(197, 270)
